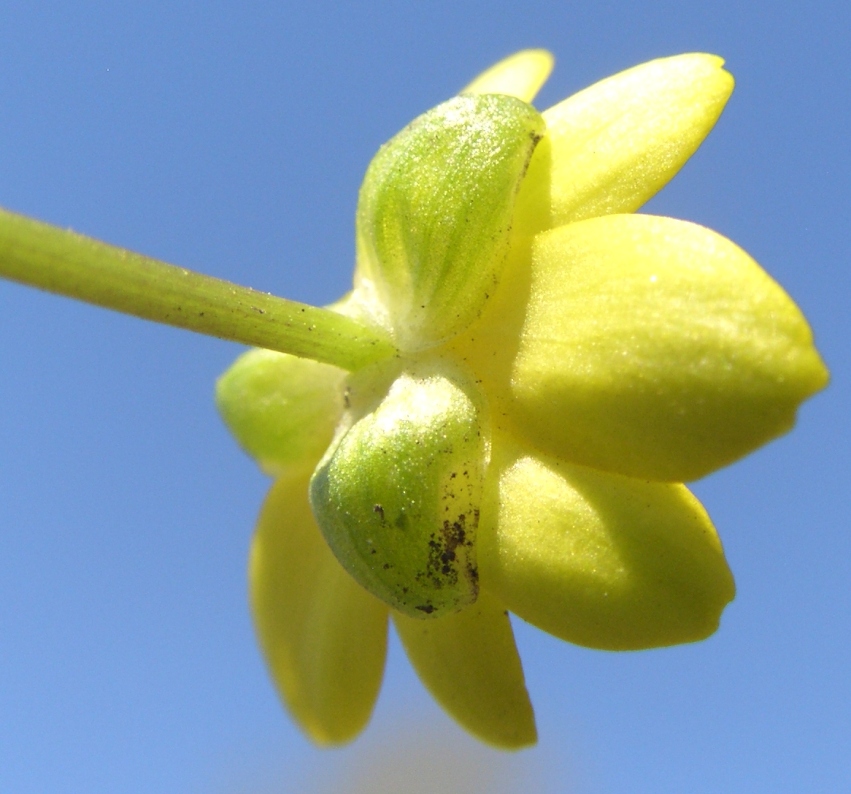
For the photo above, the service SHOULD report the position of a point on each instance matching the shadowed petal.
(469, 663)
(324, 637)
(599, 559)
(520, 75)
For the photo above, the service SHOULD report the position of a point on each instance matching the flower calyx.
(435, 213)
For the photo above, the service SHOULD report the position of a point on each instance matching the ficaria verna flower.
(564, 366)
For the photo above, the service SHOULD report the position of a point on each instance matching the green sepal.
(397, 497)
(435, 212)
(282, 409)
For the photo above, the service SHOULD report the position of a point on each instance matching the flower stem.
(61, 261)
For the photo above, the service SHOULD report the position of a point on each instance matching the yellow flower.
(563, 367)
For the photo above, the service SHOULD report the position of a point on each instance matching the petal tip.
(704, 66)
(520, 75)
(469, 663)
(525, 735)
(821, 376)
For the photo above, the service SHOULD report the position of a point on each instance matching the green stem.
(70, 264)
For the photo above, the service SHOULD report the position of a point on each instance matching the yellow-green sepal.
(435, 211)
(282, 409)
(397, 496)
(599, 559)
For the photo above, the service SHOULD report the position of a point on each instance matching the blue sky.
(231, 138)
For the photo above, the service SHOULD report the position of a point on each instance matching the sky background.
(231, 138)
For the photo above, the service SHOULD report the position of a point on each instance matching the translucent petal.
(282, 409)
(617, 143)
(599, 559)
(434, 214)
(397, 497)
(519, 75)
(323, 636)
(469, 663)
(650, 347)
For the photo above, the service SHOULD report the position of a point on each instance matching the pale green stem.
(61, 261)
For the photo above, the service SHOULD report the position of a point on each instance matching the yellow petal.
(655, 348)
(599, 559)
(470, 665)
(323, 636)
(282, 409)
(617, 143)
(520, 75)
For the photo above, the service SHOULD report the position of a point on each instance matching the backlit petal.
(520, 75)
(282, 409)
(617, 143)
(652, 347)
(599, 559)
(324, 637)
(470, 665)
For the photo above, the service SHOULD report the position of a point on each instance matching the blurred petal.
(324, 637)
(599, 559)
(282, 409)
(470, 665)
(520, 75)
(656, 348)
(617, 143)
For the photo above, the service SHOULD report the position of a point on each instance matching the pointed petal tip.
(600, 560)
(821, 376)
(520, 75)
(718, 63)
(469, 663)
(320, 736)
(713, 67)
(524, 737)
(710, 379)
(615, 144)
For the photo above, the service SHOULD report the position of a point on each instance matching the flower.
(564, 366)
